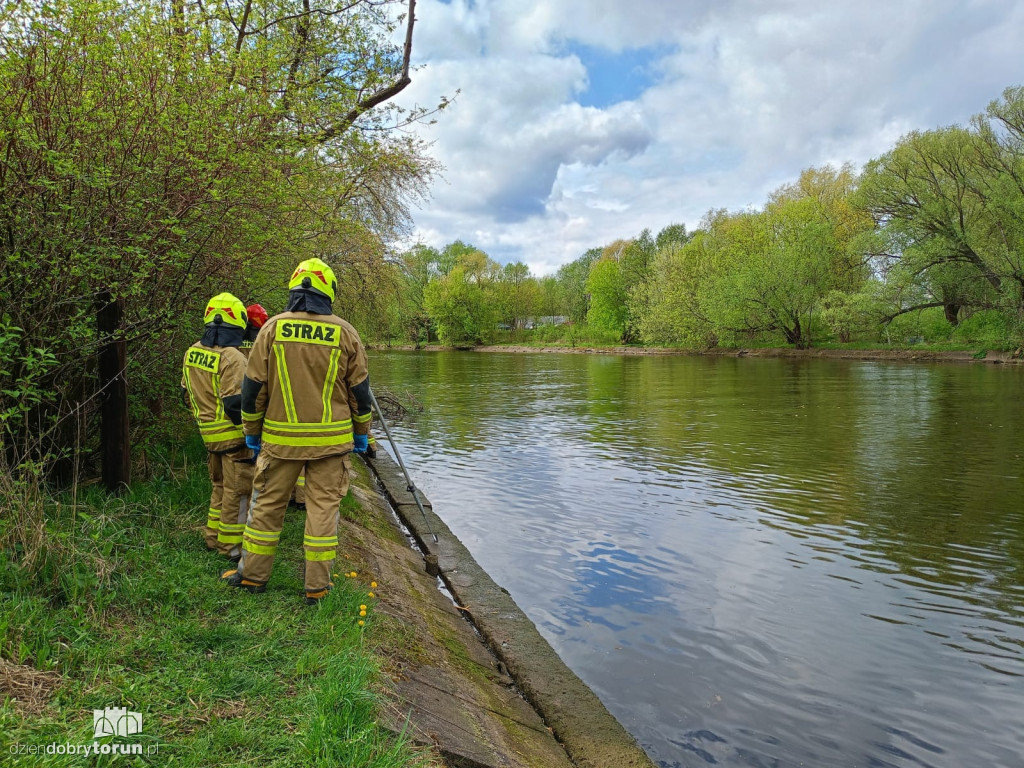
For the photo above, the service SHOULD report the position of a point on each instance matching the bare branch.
(379, 97)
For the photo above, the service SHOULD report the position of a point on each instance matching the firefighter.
(257, 318)
(211, 382)
(230, 535)
(304, 365)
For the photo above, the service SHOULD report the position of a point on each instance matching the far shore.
(897, 355)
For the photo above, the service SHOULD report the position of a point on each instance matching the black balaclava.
(306, 299)
(217, 334)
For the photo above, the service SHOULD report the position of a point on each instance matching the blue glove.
(361, 443)
(253, 443)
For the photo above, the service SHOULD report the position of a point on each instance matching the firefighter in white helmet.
(304, 365)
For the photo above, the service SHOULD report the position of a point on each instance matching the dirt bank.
(895, 355)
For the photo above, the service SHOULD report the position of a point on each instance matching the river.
(753, 562)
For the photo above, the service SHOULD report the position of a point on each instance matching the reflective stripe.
(286, 384)
(320, 556)
(320, 540)
(273, 439)
(219, 413)
(301, 482)
(191, 395)
(252, 416)
(232, 527)
(362, 419)
(213, 426)
(227, 434)
(325, 396)
(214, 512)
(308, 426)
(259, 549)
(262, 535)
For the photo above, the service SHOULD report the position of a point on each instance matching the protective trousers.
(238, 470)
(214, 463)
(326, 485)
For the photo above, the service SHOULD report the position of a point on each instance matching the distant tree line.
(927, 242)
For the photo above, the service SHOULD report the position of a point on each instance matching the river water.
(753, 562)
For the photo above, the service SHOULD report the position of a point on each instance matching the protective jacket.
(301, 371)
(212, 377)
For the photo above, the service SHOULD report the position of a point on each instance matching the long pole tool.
(398, 458)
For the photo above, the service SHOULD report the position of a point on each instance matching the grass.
(123, 607)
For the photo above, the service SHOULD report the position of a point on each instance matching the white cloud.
(746, 95)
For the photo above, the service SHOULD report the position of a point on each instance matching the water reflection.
(752, 562)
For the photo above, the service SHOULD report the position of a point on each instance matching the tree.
(572, 278)
(517, 294)
(459, 309)
(607, 297)
(635, 269)
(672, 235)
(933, 226)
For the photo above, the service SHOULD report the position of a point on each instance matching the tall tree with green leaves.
(608, 296)
(572, 278)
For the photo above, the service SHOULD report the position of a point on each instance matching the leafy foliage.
(153, 155)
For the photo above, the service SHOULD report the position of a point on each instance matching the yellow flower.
(373, 584)
(362, 613)
(354, 574)
(370, 594)
(361, 622)
(362, 607)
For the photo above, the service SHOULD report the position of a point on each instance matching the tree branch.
(384, 94)
(889, 318)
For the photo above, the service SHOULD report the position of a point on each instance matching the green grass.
(125, 605)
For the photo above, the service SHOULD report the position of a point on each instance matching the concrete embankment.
(591, 737)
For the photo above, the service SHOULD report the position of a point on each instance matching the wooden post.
(113, 383)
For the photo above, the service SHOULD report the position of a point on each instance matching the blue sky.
(582, 121)
(616, 76)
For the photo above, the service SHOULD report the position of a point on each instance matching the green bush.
(987, 328)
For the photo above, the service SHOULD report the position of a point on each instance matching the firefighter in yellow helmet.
(211, 382)
(303, 368)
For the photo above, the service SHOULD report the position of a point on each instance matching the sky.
(579, 122)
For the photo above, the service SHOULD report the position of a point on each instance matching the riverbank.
(115, 603)
(894, 355)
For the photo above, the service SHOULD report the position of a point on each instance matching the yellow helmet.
(228, 308)
(320, 276)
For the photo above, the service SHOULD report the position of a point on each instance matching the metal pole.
(398, 458)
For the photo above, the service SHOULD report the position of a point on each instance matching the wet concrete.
(590, 735)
